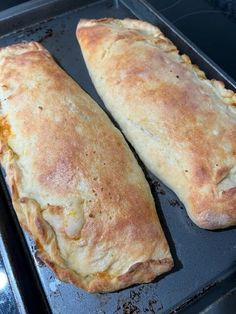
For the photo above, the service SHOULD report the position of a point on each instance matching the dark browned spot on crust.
(201, 174)
(55, 209)
(23, 200)
(230, 193)
(221, 173)
(42, 231)
(14, 190)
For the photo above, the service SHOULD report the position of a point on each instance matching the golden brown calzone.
(76, 187)
(182, 125)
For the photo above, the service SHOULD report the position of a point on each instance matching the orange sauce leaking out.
(5, 130)
(103, 275)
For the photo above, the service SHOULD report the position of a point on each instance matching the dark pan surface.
(202, 258)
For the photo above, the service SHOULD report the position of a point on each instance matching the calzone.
(182, 125)
(75, 185)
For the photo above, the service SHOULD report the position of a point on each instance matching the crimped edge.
(153, 35)
(156, 36)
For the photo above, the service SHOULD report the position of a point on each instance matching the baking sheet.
(202, 258)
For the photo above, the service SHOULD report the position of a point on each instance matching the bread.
(182, 125)
(75, 185)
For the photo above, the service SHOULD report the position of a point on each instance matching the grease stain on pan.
(134, 303)
(103, 300)
(175, 203)
(48, 33)
(80, 296)
(153, 306)
(158, 187)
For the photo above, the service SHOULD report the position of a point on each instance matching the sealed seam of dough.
(182, 125)
(75, 185)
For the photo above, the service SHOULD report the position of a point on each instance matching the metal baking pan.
(204, 260)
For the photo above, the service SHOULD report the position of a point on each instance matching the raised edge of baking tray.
(199, 270)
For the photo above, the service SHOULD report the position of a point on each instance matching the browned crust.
(204, 164)
(116, 182)
(143, 273)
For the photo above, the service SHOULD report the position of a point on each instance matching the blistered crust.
(182, 125)
(75, 185)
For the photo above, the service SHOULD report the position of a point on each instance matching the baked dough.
(182, 125)
(75, 185)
